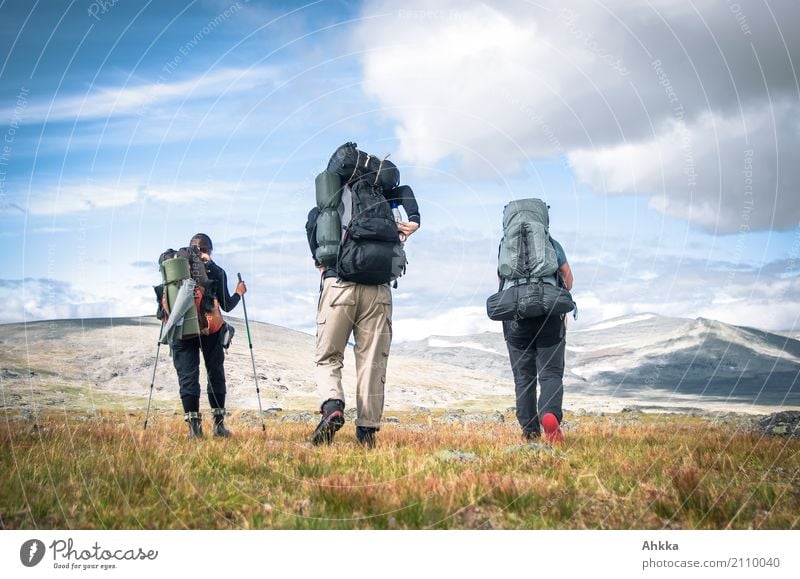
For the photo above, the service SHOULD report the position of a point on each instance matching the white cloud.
(756, 313)
(147, 99)
(628, 91)
(727, 174)
(690, 288)
(460, 321)
(49, 299)
(74, 197)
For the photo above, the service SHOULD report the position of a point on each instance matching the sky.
(663, 135)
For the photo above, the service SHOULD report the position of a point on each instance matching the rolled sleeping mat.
(329, 223)
(328, 187)
(329, 234)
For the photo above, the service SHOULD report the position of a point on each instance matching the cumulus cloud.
(635, 96)
(32, 299)
(732, 182)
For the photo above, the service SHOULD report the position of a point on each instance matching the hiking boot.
(552, 430)
(332, 420)
(219, 423)
(365, 435)
(193, 419)
(530, 435)
(220, 431)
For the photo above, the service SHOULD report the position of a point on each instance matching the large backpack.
(176, 267)
(370, 252)
(525, 250)
(528, 258)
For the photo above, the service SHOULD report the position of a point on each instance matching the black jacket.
(220, 287)
(405, 197)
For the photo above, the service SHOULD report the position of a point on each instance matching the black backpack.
(370, 252)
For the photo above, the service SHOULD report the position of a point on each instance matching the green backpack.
(525, 250)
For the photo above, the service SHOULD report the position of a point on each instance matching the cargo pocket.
(385, 301)
(341, 293)
(321, 319)
(334, 293)
(384, 295)
(388, 339)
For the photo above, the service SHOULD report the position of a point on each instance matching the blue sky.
(664, 138)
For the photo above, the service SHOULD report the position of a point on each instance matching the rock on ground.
(781, 424)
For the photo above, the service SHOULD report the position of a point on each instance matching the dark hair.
(203, 241)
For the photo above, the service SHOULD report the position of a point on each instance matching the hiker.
(355, 240)
(534, 265)
(186, 352)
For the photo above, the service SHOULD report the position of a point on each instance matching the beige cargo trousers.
(365, 311)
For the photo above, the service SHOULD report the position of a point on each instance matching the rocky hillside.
(645, 361)
(652, 359)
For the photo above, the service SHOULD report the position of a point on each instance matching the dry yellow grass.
(653, 472)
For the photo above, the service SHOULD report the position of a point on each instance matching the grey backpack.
(525, 250)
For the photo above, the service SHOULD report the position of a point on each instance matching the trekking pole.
(253, 359)
(152, 382)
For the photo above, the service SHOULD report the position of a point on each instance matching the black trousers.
(186, 359)
(536, 350)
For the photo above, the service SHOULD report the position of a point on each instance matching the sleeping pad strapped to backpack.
(329, 223)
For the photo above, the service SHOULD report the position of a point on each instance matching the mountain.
(98, 363)
(651, 358)
(644, 360)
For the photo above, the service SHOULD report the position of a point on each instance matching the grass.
(657, 471)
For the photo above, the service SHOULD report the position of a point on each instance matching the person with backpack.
(535, 280)
(186, 352)
(356, 237)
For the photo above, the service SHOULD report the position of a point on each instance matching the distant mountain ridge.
(652, 356)
(646, 361)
